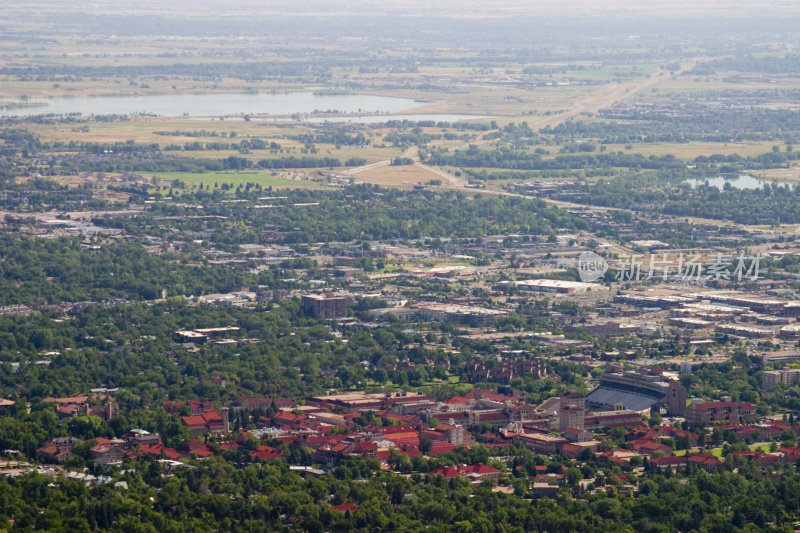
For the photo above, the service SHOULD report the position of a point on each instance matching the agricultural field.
(235, 179)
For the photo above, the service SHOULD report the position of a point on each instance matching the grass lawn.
(265, 179)
(390, 386)
(717, 452)
(785, 229)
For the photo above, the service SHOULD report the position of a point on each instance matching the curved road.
(606, 97)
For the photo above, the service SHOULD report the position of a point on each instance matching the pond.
(740, 181)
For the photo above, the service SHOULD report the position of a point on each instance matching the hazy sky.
(410, 7)
(430, 22)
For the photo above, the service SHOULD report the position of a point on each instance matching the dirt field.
(405, 176)
(791, 175)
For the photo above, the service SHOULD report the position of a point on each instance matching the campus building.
(701, 413)
(638, 390)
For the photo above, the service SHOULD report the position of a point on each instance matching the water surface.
(740, 181)
(211, 105)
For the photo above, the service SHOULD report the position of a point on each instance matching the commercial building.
(605, 329)
(558, 286)
(463, 314)
(779, 357)
(759, 305)
(749, 332)
(690, 323)
(791, 332)
(653, 300)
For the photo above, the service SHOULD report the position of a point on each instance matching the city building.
(571, 411)
(542, 442)
(770, 378)
(779, 357)
(324, 305)
(604, 329)
(463, 314)
(558, 286)
(700, 413)
(358, 401)
(638, 390)
(599, 420)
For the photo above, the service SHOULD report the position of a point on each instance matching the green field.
(717, 452)
(265, 179)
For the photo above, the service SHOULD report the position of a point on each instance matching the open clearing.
(693, 149)
(394, 176)
(209, 179)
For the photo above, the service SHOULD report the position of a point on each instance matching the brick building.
(703, 413)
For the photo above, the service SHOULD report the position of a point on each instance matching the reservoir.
(213, 105)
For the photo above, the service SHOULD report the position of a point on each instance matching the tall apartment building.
(701, 413)
(324, 305)
(571, 411)
(770, 378)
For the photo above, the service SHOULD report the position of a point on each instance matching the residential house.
(56, 450)
(107, 451)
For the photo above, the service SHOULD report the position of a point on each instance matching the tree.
(655, 419)
(399, 461)
(87, 427)
(425, 444)
(573, 475)
(788, 438)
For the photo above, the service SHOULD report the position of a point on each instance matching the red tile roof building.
(208, 423)
(446, 471)
(706, 461)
